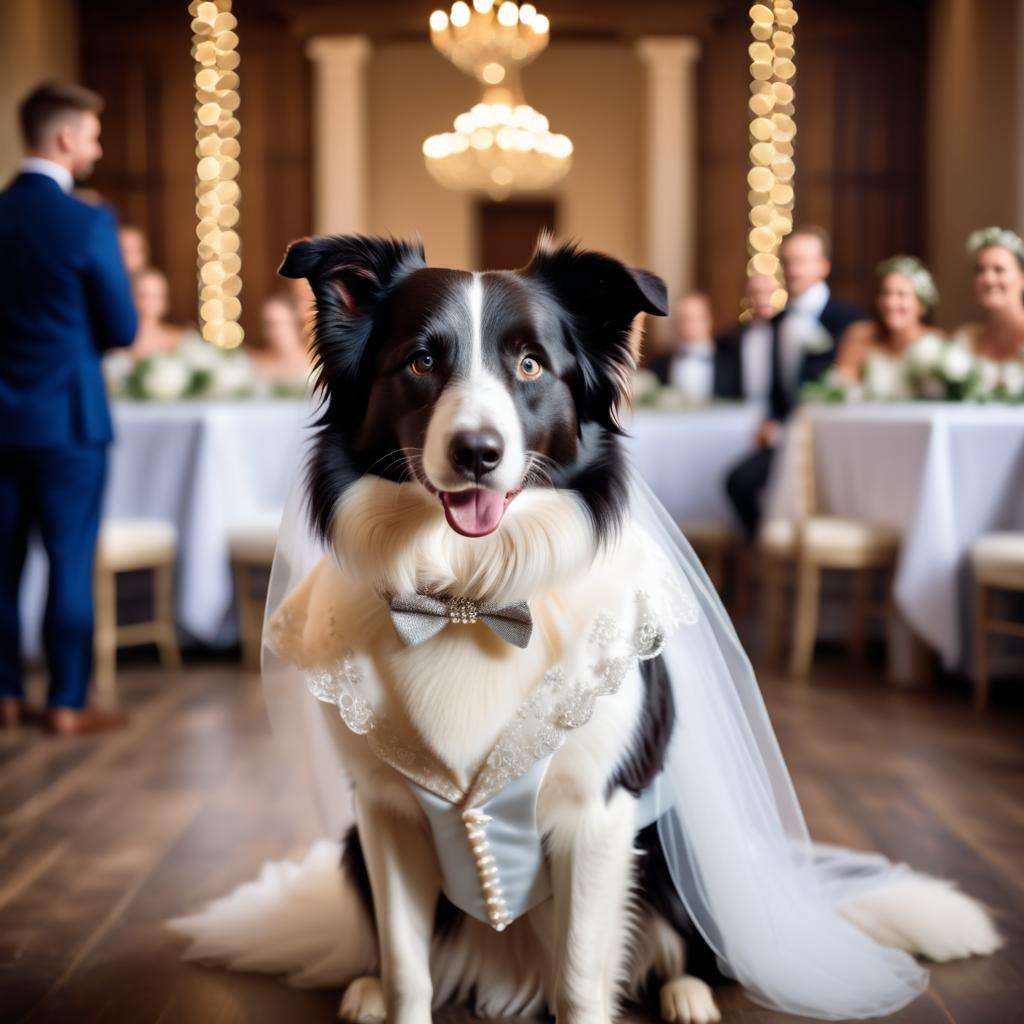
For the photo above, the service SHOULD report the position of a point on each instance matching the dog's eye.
(529, 368)
(422, 364)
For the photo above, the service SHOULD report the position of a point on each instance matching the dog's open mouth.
(475, 512)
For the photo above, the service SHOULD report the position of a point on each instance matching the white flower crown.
(917, 273)
(985, 238)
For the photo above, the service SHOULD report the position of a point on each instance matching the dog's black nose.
(475, 452)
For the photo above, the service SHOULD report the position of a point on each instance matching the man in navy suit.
(805, 337)
(64, 298)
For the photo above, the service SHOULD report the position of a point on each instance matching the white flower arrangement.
(940, 370)
(117, 368)
(163, 378)
(650, 393)
(196, 369)
(932, 369)
(1000, 382)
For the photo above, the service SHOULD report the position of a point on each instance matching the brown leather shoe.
(83, 721)
(10, 712)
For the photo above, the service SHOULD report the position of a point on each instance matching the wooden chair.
(251, 546)
(998, 563)
(794, 554)
(130, 545)
(713, 541)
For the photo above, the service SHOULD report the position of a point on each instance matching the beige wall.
(590, 91)
(975, 159)
(38, 40)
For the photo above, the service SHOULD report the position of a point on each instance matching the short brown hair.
(51, 101)
(814, 231)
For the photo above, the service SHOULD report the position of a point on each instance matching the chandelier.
(502, 144)
(485, 42)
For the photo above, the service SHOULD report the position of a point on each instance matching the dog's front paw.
(688, 1000)
(363, 1002)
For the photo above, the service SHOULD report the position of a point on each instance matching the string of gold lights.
(772, 130)
(215, 50)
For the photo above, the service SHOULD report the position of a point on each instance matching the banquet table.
(942, 473)
(203, 466)
(206, 465)
(685, 455)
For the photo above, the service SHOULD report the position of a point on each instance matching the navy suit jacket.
(64, 299)
(835, 318)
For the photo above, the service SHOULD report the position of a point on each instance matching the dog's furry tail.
(925, 916)
(305, 920)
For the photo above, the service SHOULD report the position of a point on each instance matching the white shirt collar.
(812, 302)
(702, 349)
(40, 165)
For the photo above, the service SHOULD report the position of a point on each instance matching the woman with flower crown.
(999, 289)
(997, 343)
(871, 351)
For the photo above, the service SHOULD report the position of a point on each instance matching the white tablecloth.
(205, 465)
(685, 456)
(943, 474)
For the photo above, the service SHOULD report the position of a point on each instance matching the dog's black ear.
(602, 298)
(353, 270)
(350, 276)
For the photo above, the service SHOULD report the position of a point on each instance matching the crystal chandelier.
(502, 144)
(485, 42)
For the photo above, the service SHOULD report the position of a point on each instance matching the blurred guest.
(907, 296)
(282, 356)
(64, 297)
(691, 365)
(156, 335)
(744, 358)
(134, 248)
(999, 288)
(804, 340)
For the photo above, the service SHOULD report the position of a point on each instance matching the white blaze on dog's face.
(475, 454)
(472, 387)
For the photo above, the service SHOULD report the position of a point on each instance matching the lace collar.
(560, 702)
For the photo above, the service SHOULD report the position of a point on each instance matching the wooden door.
(507, 231)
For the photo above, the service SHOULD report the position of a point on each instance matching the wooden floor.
(102, 839)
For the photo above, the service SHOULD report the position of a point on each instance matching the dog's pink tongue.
(473, 513)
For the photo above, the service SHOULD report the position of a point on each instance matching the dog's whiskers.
(537, 470)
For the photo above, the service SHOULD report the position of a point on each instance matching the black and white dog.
(468, 444)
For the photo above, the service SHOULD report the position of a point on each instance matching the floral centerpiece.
(650, 393)
(195, 369)
(932, 369)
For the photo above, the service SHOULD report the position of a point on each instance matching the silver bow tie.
(419, 617)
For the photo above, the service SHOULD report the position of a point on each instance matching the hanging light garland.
(215, 50)
(772, 130)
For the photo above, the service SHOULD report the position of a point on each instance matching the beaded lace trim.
(556, 706)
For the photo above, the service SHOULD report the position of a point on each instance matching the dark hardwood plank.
(102, 840)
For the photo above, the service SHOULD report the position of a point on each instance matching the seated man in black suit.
(696, 364)
(804, 339)
(744, 357)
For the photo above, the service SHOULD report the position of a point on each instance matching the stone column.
(671, 162)
(1018, 122)
(340, 150)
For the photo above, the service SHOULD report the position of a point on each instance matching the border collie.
(468, 445)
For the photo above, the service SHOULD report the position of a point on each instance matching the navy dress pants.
(57, 491)
(746, 484)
